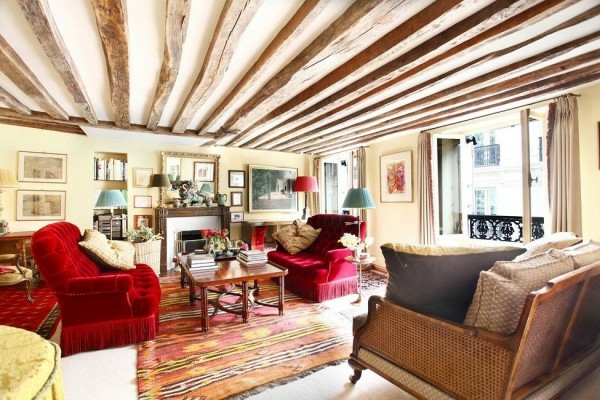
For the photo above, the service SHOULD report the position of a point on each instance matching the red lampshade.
(306, 184)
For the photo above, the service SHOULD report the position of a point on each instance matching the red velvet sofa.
(98, 308)
(321, 272)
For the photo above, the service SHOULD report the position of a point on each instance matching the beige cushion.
(108, 253)
(501, 291)
(297, 237)
(15, 276)
(583, 254)
(558, 240)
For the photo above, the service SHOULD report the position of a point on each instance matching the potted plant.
(147, 247)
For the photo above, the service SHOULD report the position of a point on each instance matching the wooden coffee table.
(224, 280)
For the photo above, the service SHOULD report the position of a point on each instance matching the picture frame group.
(142, 177)
(41, 205)
(237, 178)
(42, 167)
(142, 201)
(237, 199)
(237, 216)
(142, 220)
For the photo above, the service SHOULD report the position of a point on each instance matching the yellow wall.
(140, 154)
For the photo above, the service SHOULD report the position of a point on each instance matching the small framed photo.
(204, 171)
(237, 179)
(42, 167)
(237, 216)
(236, 199)
(142, 220)
(41, 205)
(142, 201)
(142, 177)
(396, 177)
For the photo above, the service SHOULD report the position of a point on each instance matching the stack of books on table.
(252, 258)
(201, 262)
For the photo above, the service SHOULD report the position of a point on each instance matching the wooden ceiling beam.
(306, 13)
(176, 25)
(384, 50)
(349, 34)
(111, 20)
(510, 94)
(483, 80)
(326, 121)
(42, 23)
(234, 19)
(19, 73)
(14, 103)
(51, 126)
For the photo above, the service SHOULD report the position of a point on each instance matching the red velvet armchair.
(98, 308)
(321, 272)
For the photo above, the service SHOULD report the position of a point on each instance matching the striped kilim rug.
(233, 359)
(40, 317)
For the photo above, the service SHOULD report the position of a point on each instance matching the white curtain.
(425, 190)
(359, 174)
(564, 183)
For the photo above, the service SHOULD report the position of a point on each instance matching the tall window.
(335, 184)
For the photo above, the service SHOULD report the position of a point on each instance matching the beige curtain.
(425, 190)
(564, 183)
(359, 173)
(314, 202)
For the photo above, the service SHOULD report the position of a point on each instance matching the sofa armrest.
(337, 255)
(113, 283)
(449, 356)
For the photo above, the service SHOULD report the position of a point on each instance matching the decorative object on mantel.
(7, 180)
(206, 190)
(306, 184)
(221, 199)
(160, 181)
(189, 193)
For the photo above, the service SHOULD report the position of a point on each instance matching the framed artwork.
(41, 205)
(142, 220)
(271, 189)
(142, 201)
(173, 167)
(236, 199)
(142, 177)
(42, 167)
(204, 171)
(237, 216)
(237, 179)
(396, 177)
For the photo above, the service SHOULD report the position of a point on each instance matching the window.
(335, 184)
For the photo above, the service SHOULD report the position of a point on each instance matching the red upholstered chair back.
(333, 227)
(58, 256)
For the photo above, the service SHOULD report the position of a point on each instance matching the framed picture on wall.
(237, 179)
(236, 199)
(204, 171)
(142, 177)
(237, 216)
(142, 220)
(41, 205)
(271, 189)
(142, 201)
(42, 167)
(396, 177)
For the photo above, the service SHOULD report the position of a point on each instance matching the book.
(252, 264)
(252, 255)
(201, 268)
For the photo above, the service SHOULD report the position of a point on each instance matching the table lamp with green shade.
(358, 198)
(111, 199)
(7, 180)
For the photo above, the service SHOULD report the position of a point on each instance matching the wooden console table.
(162, 214)
(18, 243)
(254, 232)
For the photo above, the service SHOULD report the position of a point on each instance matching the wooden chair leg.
(356, 376)
(28, 285)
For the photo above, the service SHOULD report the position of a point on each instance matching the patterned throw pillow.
(501, 291)
(297, 237)
(583, 254)
(558, 240)
(108, 253)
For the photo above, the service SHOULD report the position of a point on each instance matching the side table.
(359, 263)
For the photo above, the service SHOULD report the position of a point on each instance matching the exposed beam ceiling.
(312, 76)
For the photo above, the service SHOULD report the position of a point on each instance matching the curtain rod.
(343, 151)
(503, 111)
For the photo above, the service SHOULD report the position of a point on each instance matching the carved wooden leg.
(358, 369)
(356, 376)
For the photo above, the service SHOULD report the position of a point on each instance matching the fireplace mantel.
(163, 214)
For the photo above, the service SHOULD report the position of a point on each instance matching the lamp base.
(305, 213)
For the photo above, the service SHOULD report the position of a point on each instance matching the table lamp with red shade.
(306, 184)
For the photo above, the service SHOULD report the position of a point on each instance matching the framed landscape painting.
(41, 205)
(42, 167)
(271, 189)
(396, 177)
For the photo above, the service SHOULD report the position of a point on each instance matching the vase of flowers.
(147, 247)
(215, 240)
(355, 244)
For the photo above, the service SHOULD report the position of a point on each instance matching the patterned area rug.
(233, 359)
(40, 317)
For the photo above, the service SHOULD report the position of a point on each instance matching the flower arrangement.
(216, 237)
(143, 234)
(354, 243)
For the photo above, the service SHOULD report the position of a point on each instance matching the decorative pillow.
(439, 280)
(558, 240)
(583, 254)
(108, 253)
(301, 239)
(501, 291)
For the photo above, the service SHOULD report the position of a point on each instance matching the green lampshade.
(206, 187)
(110, 199)
(358, 198)
(160, 180)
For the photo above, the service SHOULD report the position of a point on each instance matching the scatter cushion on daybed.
(296, 237)
(501, 291)
(558, 240)
(108, 253)
(439, 280)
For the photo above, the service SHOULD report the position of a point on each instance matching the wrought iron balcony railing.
(502, 227)
(486, 156)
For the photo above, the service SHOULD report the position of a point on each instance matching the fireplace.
(188, 241)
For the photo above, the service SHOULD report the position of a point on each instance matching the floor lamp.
(7, 180)
(358, 198)
(306, 184)
(111, 199)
